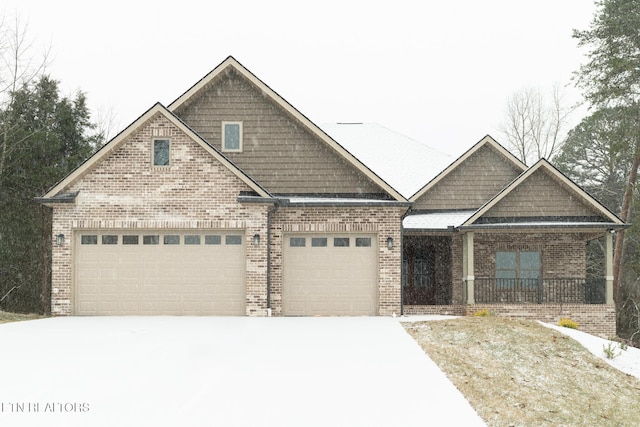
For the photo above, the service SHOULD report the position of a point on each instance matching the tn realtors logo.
(43, 407)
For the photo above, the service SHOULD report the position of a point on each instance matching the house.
(231, 202)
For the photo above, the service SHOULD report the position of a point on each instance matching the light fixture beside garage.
(59, 239)
(389, 242)
(256, 239)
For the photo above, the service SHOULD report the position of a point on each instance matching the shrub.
(482, 313)
(568, 323)
(610, 351)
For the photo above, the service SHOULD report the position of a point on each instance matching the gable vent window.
(161, 148)
(232, 136)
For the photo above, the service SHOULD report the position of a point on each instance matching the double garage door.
(330, 274)
(160, 272)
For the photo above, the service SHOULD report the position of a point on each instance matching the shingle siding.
(278, 151)
(472, 183)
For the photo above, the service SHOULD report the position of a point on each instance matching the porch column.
(467, 266)
(608, 250)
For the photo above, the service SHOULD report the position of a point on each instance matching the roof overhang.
(58, 199)
(303, 201)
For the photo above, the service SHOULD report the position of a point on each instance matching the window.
(518, 269)
(90, 239)
(212, 240)
(232, 136)
(232, 240)
(363, 242)
(110, 240)
(171, 239)
(297, 242)
(129, 240)
(151, 240)
(318, 242)
(191, 239)
(340, 241)
(161, 152)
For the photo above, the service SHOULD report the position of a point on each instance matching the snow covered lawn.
(221, 371)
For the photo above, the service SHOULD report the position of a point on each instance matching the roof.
(232, 63)
(436, 221)
(404, 163)
(122, 136)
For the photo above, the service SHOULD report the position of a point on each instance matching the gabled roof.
(232, 64)
(486, 141)
(405, 163)
(126, 133)
(547, 167)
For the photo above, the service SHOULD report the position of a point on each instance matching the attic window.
(161, 149)
(232, 136)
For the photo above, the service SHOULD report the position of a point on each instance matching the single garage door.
(160, 272)
(330, 274)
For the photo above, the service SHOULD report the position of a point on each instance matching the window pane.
(363, 242)
(530, 261)
(172, 239)
(90, 239)
(297, 242)
(233, 240)
(129, 240)
(340, 241)
(191, 239)
(212, 240)
(161, 152)
(506, 260)
(151, 240)
(318, 242)
(232, 136)
(110, 240)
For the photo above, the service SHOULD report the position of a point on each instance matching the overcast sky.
(437, 71)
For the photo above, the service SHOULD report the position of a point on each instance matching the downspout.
(269, 213)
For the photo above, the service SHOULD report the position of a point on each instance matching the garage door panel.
(160, 278)
(330, 280)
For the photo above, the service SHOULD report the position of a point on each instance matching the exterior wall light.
(59, 239)
(256, 239)
(389, 243)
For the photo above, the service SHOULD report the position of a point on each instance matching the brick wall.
(385, 222)
(124, 191)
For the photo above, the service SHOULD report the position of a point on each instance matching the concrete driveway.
(222, 371)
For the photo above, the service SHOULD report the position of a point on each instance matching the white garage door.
(330, 274)
(159, 272)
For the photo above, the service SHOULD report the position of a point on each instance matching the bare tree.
(18, 67)
(534, 125)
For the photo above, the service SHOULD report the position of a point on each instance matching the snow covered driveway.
(221, 371)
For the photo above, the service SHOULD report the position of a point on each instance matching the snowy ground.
(628, 361)
(221, 371)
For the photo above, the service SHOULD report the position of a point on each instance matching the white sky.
(437, 71)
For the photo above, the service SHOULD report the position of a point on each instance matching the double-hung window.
(518, 269)
(232, 136)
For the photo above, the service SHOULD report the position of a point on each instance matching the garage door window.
(340, 242)
(109, 239)
(232, 240)
(129, 240)
(212, 240)
(298, 242)
(89, 239)
(363, 242)
(319, 242)
(151, 239)
(172, 239)
(191, 239)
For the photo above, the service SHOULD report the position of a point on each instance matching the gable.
(157, 122)
(471, 183)
(278, 151)
(129, 184)
(541, 196)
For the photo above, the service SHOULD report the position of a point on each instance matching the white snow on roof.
(404, 163)
(332, 200)
(436, 220)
